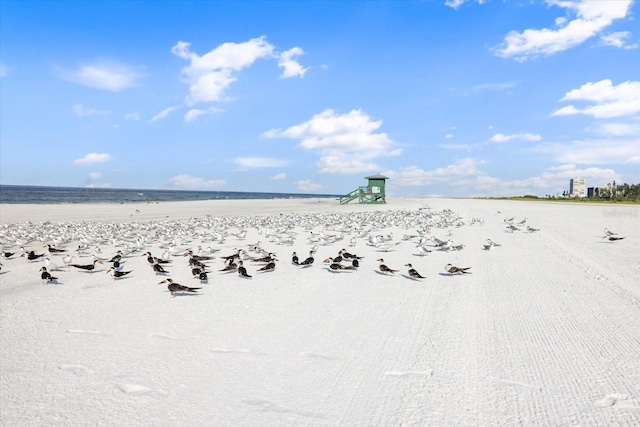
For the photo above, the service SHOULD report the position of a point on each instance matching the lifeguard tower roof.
(376, 176)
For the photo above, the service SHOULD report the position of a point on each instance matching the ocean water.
(13, 194)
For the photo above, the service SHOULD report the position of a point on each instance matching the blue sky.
(452, 98)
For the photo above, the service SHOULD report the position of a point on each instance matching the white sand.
(545, 331)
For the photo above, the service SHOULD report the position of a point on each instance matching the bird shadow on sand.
(406, 276)
(383, 274)
(184, 294)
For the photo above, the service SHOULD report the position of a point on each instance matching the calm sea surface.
(49, 195)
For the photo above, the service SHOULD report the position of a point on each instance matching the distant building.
(577, 187)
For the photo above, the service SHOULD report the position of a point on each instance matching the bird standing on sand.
(307, 262)
(384, 269)
(117, 274)
(159, 269)
(31, 255)
(613, 238)
(294, 259)
(88, 267)
(413, 273)
(8, 255)
(452, 269)
(242, 271)
(55, 250)
(270, 266)
(46, 276)
(174, 288)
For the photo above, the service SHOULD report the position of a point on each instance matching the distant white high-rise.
(578, 187)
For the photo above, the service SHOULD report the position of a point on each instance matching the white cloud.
(596, 151)
(162, 114)
(499, 137)
(307, 185)
(291, 67)
(194, 113)
(132, 116)
(347, 142)
(95, 176)
(592, 17)
(279, 177)
(617, 39)
(259, 162)
(111, 77)
(457, 3)
(610, 101)
(211, 74)
(92, 158)
(416, 176)
(192, 182)
(616, 129)
(82, 111)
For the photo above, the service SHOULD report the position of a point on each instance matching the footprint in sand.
(611, 399)
(427, 373)
(78, 370)
(141, 390)
(163, 336)
(317, 355)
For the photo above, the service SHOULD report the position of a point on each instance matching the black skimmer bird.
(242, 272)
(613, 238)
(269, 267)
(152, 260)
(384, 269)
(88, 267)
(117, 274)
(55, 250)
(191, 255)
(8, 255)
(335, 267)
(452, 269)
(159, 269)
(176, 288)
(46, 276)
(267, 258)
(31, 255)
(203, 277)
(307, 262)
(231, 266)
(294, 259)
(413, 273)
(346, 255)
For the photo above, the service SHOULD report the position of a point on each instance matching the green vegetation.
(611, 193)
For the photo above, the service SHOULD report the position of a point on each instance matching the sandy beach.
(543, 331)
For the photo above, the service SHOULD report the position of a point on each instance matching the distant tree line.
(611, 192)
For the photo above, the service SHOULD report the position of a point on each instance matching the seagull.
(46, 276)
(490, 245)
(452, 269)
(174, 288)
(88, 267)
(608, 233)
(532, 230)
(50, 265)
(384, 269)
(117, 274)
(422, 251)
(413, 273)
(67, 260)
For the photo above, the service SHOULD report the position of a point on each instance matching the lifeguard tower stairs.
(372, 193)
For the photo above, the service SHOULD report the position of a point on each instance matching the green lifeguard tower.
(372, 193)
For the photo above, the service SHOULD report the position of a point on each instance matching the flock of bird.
(174, 238)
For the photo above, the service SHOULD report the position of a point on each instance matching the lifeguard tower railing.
(364, 195)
